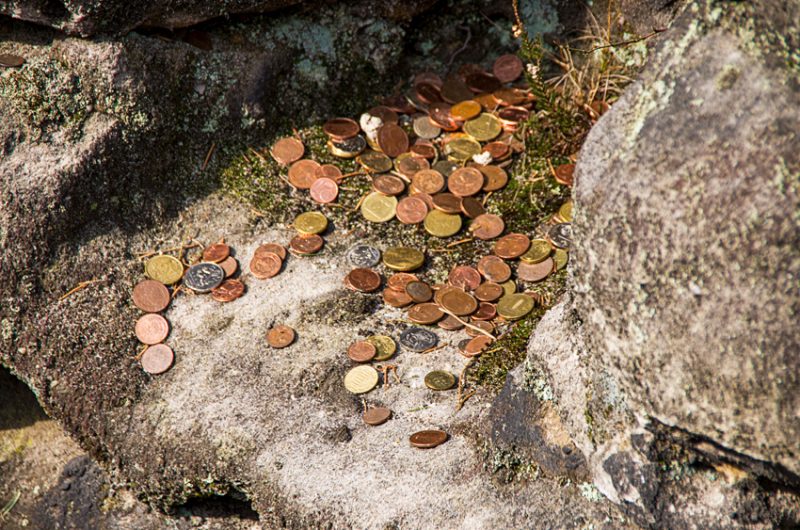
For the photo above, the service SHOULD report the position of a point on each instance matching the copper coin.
(426, 198)
(392, 140)
(494, 269)
(229, 265)
(428, 439)
(439, 113)
(427, 313)
(485, 325)
(423, 150)
(151, 296)
(513, 115)
(440, 290)
(428, 181)
(303, 173)
(287, 150)
(468, 69)
(383, 112)
(420, 292)
(265, 265)
(376, 415)
(411, 210)
(465, 181)
(482, 82)
(565, 174)
(428, 77)
(151, 329)
(361, 351)
(339, 129)
(507, 68)
(227, 291)
(454, 90)
(306, 243)
(395, 298)
(490, 291)
(476, 346)
(10, 60)
(399, 281)
(280, 336)
(512, 246)
(427, 92)
(464, 277)
(398, 103)
(495, 178)
(487, 226)
(157, 359)
(459, 302)
(409, 165)
(329, 171)
(364, 280)
(472, 207)
(216, 252)
(535, 272)
(272, 248)
(485, 311)
(447, 203)
(388, 185)
(324, 190)
(510, 96)
(450, 323)
(498, 150)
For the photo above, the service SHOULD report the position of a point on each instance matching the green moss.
(507, 465)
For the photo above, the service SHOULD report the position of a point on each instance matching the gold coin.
(483, 128)
(378, 208)
(384, 346)
(440, 380)
(514, 306)
(361, 379)
(403, 259)
(561, 257)
(466, 110)
(164, 269)
(509, 287)
(440, 224)
(310, 223)
(375, 162)
(537, 252)
(462, 149)
(565, 212)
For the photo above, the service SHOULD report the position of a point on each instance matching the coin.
(303, 173)
(157, 359)
(419, 291)
(164, 269)
(472, 207)
(363, 279)
(507, 68)
(418, 339)
(203, 277)
(465, 110)
(151, 328)
(440, 224)
(216, 252)
(423, 150)
(228, 291)
(488, 292)
(310, 223)
(388, 184)
(560, 257)
(329, 171)
(272, 248)
(465, 181)
(459, 302)
(439, 290)
(510, 117)
(494, 269)
(440, 380)
(476, 345)
(375, 162)
(349, 148)
(509, 287)
(483, 325)
(398, 103)
(482, 82)
(151, 296)
(450, 323)
(376, 415)
(400, 281)
(425, 128)
(535, 272)
(385, 346)
(340, 129)
(560, 235)
(324, 190)
(565, 212)
(280, 336)
(445, 167)
(483, 128)
(362, 255)
(428, 439)
(427, 313)
(9, 60)
(454, 90)
(403, 259)
(439, 115)
(361, 351)
(428, 181)
(510, 96)
(512, 246)
(395, 298)
(462, 149)
(408, 164)
(485, 311)
(428, 77)
(447, 203)
(392, 140)
(361, 379)
(426, 198)
(565, 174)
(514, 306)
(287, 150)
(487, 226)
(495, 178)
(464, 277)
(266, 265)
(378, 208)
(427, 92)
(498, 150)
(411, 210)
(306, 243)
(539, 250)
(487, 101)
(229, 265)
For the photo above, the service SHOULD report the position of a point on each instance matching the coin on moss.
(310, 223)
(378, 208)
(514, 306)
(539, 250)
(440, 224)
(403, 259)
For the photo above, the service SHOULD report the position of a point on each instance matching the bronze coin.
(485, 311)
(383, 112)
(482, 82)
(280, 336)
(472, 207)
(409, 165)
(439, 114)
(228, 291)
(364, 280)
(487, 226)
(428, 181)
(411, 210)
(395, 298)
(287, 150)
(428, 77)
(513, 115)
(151, 296)
(427, 313)
(476, 346)
(507, 68)
(272, 248)
(565, 174)
(428, 439)
(450, 323)
(512, 246)
(459, 302)
(495, 178)
(229, 265)
(465, 181)
(376, 415)
(324, 190)
(303, 173)
(151, 329)
(361, 351)
(420, 292)
(510, 96)
(454, 90)
(265, 265)
(340, 129)
(489, 291)
(400, 280)
(464, 277)
(447, 203)
(485, 325)
(10, 60)
(398, 103)
(329, 171)
(427, 92)
(426, 198)
(494, 269)
(306, 243)
(216, 252)
(392, 140)
(498, 150)
(157, 359)
(388, 185)
(536, 272)
(423, 150)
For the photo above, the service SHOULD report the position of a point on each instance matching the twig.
(476, 328)
(139, 355)
(461, 49)
(461, 379)
(429, 350)
(10, 504)
(650, 35)
(80, 286)
(353, 174)
(208, 156)
(459, 242)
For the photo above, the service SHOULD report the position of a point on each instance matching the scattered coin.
(394, 298)
(565, 174)
(514, 306)
(216, 252)
(440, 224)
(388, 184)
(361, 351)
(485, 311)
(483, 128)
(151, 296)
(329, 171)
(376, 415)
(477, 345)
(428, 181)
(472, 207)
(494, 269)
(229, 265)
(378, 208)
(411, 210)
(310, 223)
(447, 203)
(364, 256)
(507, 68)
(495, 178)
(425, 128)
(375, 162)
(560, 235)
(392, 140)
(427, 313)
(157, 359)
(303, 173)
(203, 277)
(489, 292)
(458, 302)
(280, 336)
(464, 277)
(324, 190)
(419, 292)
(340, 129)
(440, 380)
(287, 150)
(306, 244)
(400, 281)
(364, 280)
(465, 181)
(403, 259)
(272, 248)
(560, 257)
(450, 323)
(512, 246)
(361, 379)
(565, 212)
(228, 291)
(465, 110)
(487, 226)
(151, 329)
(266, 265)
(539, 250)
(164, 269)
(418, 339)
(384, 345)
(535, 272)
(428, 439)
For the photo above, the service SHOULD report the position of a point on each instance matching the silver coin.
(425, 128)
(561, 235)
(445, 167)
(418, 339)
(353, 145)
(363, 256)
(203, 277)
